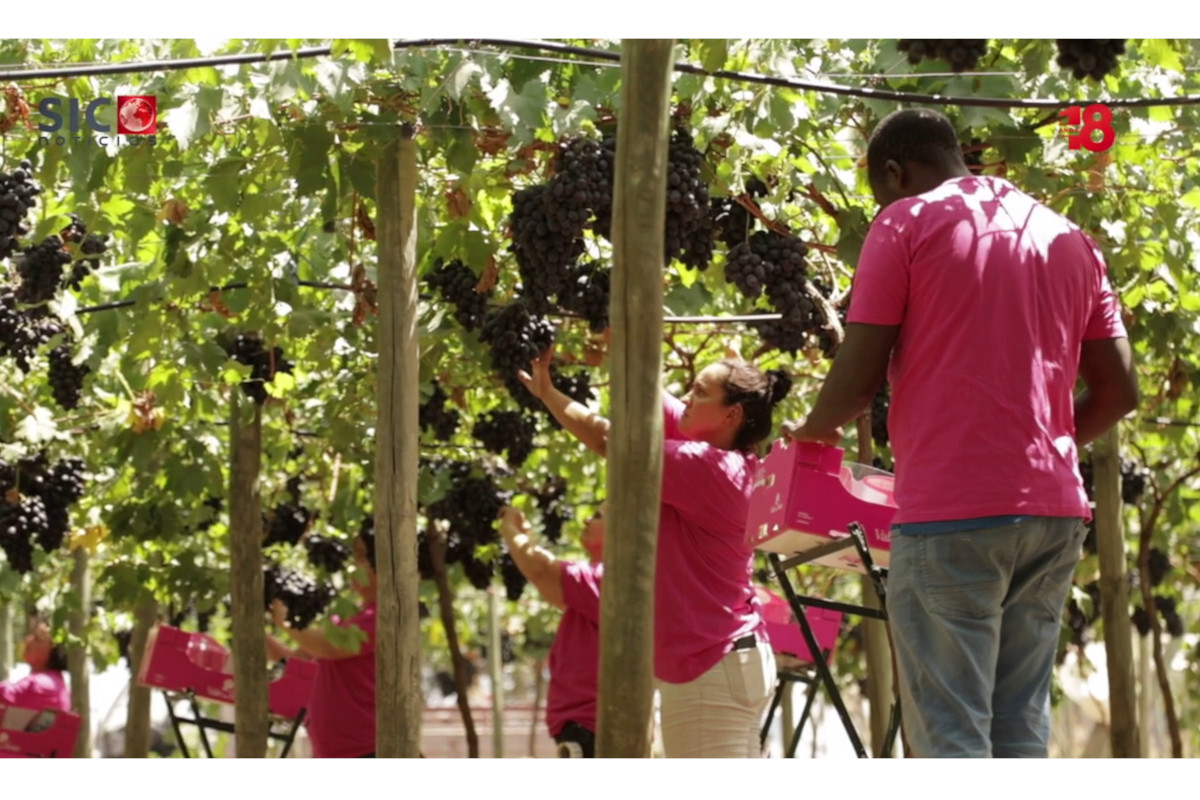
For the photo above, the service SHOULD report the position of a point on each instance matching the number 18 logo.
(1096, 117)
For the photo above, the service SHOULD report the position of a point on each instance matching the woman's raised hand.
(537, 380)
(512, 519)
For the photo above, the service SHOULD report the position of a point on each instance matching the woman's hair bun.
(781, 384)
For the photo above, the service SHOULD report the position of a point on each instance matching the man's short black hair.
(913, 134)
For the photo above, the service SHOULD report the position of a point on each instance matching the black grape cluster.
(1077, 620)
(305, 598)
(470, 506)
(962, 54)
(327, 553)
(1160, 566)
(435, 416)
(688, 221)
(514, 579)
(732, 221)
(587, 294)
(576, 386)
(286, 524)
(516, 336)
(1167, 610)
(41, 269)
(1092, 58)
(124, 637)
(41, 513)
(1134, 478)
(18, 194)
(89, 245)
(248, 349)
(554, 510)
(66, 377)
(879, 415)
(775, 263)
(22, 333)
(508, 433)
(456, 282)
(544, 250)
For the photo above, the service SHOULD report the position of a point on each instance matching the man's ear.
(896, 175)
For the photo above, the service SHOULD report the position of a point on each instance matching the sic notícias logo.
(137, 115)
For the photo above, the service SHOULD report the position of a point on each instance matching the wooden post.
(246, 580)
(137, 722)
(77, 653)
(635, 441)
(496, 671)
(398, 644)
(1114, 597)
(6, 639)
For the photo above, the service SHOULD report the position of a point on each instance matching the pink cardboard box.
(786, 637)
(37, 732)
(804, 496)
(176, 661)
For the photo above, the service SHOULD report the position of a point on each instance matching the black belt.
(575, 734)
(747, 642)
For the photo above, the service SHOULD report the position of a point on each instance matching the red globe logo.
(137, 115)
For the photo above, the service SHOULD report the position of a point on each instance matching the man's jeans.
(975, 618)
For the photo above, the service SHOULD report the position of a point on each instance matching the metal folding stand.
(805, 674)
(288, 735)
(878, 576)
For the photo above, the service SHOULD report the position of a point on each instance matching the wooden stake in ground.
(246, 581)
(6, 639)
(398, 637)
(1114, 596)
(77, 653)
(137, 717)
(635, 440)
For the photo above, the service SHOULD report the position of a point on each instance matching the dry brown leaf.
(174, 211)
(1096, 172)
(490, 276)
(1177, 380)
(457, 202)
(364, 222)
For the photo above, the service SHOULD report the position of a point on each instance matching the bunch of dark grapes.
(962, 54)
(1092, 58)
(700, 244)
(433, 415)
(582, 183)
(1133, 481)
(507, 432)
(124, 638)
(20, 524)
(1160, 566)
(286, 524)
(424, 557)
(554, 511)
(879, 416)
(41, 269)
(66, 377)
(470, 506)
(60, 489)
(576, 386)
(456, 282)
(89, 245)
(514, 579)
(248, 350)
(775, 263)
(516, 336)
(327, 553)
(587, 294)
(1170, 615)
(305, 598)
(478, 571)
(687, 196)
(21, 333)
(733, 222)
(18, 194)
(1077, 620)
(545, 250)
(42, 513)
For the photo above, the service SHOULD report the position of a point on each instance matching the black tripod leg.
(810, 696)
(200, 724)
(831, 687)
(175, 725)
(287, 744)
(780, 685)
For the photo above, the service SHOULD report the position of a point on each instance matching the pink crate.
(804, 496)
(177, 661)
(55, 741)
(785, 633)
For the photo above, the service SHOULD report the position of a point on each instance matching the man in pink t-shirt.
(341, 709)
(983, 307)
(574, 587)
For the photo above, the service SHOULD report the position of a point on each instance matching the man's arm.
(1106, 366)
(308, 641)
(858, 370)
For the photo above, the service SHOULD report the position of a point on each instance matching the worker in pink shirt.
(574, 587)
(44, 687)
(712, 660)
(982, 307)
(341, 710)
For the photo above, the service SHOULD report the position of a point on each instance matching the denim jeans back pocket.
(963, 574)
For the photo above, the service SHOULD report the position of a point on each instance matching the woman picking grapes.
(44, 687)
(713, 664)
(341, 709)
(574, 587)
